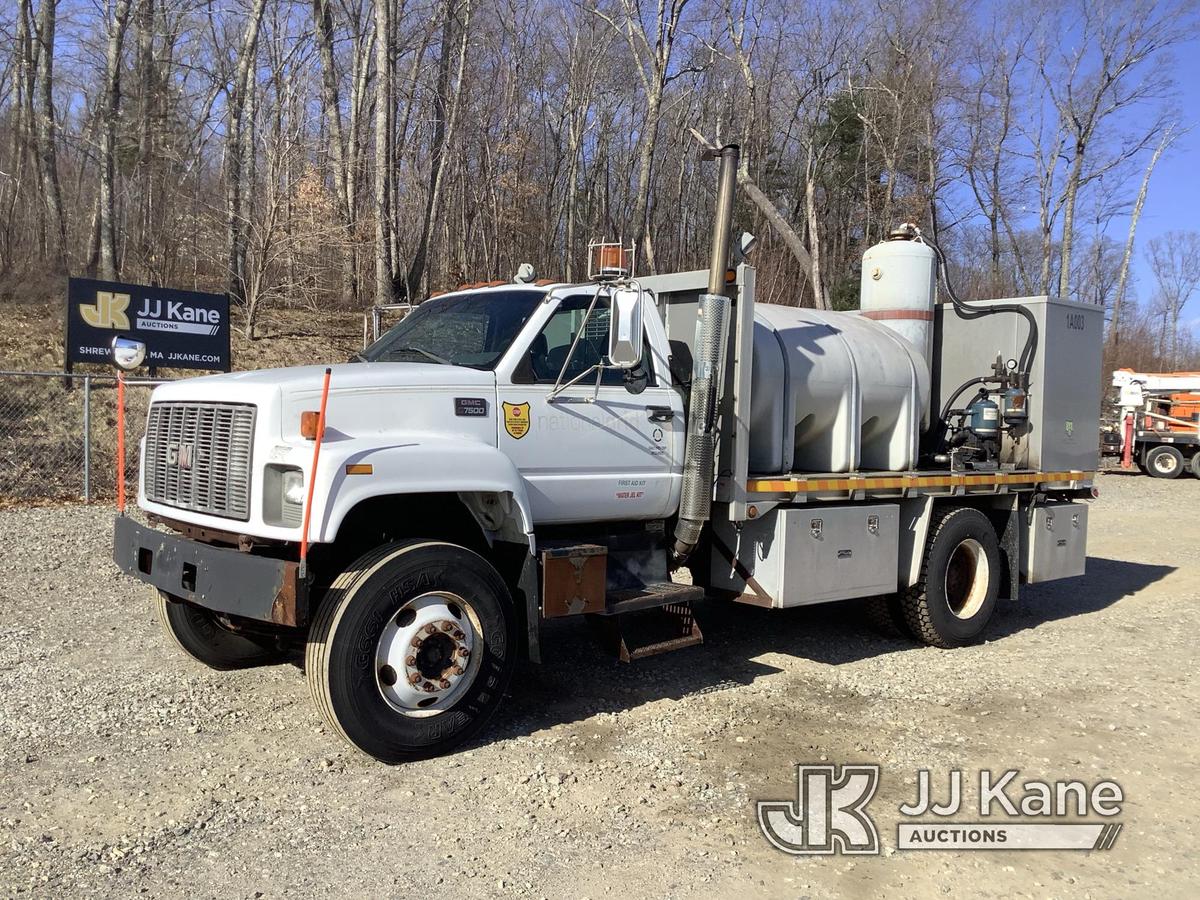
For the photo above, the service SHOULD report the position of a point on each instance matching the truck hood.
(364, 398)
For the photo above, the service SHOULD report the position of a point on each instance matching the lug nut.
(414, 677)
(431, 628)
(429, 688)
(445, 683)
(416, 642)
(410, 661)
(457, 670)
(464, 652)
(458, 635)
(447, 626)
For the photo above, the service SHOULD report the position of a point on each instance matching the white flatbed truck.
(516, 453)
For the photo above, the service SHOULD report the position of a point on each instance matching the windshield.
(471, 330)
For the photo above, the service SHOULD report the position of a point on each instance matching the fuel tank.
(834, 392)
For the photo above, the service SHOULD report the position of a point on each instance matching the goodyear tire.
(953, 601)
(1164, 461)
(197, 633)
(411, 651)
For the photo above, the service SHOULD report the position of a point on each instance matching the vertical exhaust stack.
(708, 370)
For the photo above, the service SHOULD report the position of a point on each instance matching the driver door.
(590, 453)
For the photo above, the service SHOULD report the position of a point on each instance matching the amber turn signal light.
(309, 422)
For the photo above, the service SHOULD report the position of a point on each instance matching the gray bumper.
(226, 581)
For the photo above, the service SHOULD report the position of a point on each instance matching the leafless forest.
(347, 152)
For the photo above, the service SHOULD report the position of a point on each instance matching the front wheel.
(411, 651)
(955, 597)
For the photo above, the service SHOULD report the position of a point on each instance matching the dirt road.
(127, 769)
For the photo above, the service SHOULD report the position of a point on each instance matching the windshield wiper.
(427, 354)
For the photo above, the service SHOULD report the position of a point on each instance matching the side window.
(552, 347)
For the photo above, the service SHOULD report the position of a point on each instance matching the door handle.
(660, 413)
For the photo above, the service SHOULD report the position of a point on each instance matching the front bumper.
(222, 580)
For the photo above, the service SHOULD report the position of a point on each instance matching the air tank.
(899, 277)
(834, 392)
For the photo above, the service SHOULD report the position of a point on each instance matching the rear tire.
(1194, 465)
(955, 596)
(412, 650)
(886, 615)
(1164, 461)
(197, 633)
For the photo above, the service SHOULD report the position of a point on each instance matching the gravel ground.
(128, 769)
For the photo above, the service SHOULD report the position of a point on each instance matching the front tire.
(197, 633)
(411, 651)
(1164, 462)
(953, 601)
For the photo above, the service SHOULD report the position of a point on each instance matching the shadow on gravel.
(577, 679)
(1107, 581)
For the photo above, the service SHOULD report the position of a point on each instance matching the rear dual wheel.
(1164, 461)
(955, 596)
(410, 653)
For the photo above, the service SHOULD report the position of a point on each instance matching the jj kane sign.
(181, 329)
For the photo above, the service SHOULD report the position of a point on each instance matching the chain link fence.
(58, 435)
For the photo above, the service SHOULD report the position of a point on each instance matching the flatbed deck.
(883, 485)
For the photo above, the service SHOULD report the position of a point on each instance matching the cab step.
(663, 612)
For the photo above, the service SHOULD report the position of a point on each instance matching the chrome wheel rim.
(967, 577)
(428, 654)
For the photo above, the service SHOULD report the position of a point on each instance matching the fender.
(420, 465)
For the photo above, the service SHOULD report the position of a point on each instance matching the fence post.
(87, 439)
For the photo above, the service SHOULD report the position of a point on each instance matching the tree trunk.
(342, 177)
(110, 110)
(443, 128)
(235, 227)
(47, 134)
(1114, 334)
(384, 98)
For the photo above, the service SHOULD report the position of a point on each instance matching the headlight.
(293, 487)
(283, 496)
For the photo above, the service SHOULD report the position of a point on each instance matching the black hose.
(969, 311)
(959, 392)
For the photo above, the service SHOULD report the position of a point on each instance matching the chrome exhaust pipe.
(708, 369)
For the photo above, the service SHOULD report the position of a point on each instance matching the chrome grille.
(198, 457)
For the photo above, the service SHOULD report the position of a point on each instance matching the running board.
(676, 629)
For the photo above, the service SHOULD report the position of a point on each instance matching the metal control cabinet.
(1053, 542)
(1064, 390)
(811, 554)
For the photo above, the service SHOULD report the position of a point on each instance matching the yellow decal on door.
(516, 419)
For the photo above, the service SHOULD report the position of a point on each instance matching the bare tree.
(47, 133)
(237, 183)
(1170, 133)
(110, 110)
(1104, 74)
(1174, 260)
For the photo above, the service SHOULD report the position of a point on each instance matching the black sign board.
(181, 329)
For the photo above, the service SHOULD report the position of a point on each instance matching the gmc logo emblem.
(182, 455)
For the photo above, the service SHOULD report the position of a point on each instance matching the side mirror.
(625, 328)
(127, 353)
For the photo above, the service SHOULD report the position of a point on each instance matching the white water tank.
(834, 392)
(899, 277)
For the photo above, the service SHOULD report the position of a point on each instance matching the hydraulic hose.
(970, 311)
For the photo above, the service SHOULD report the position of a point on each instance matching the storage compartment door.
(1054, 542)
